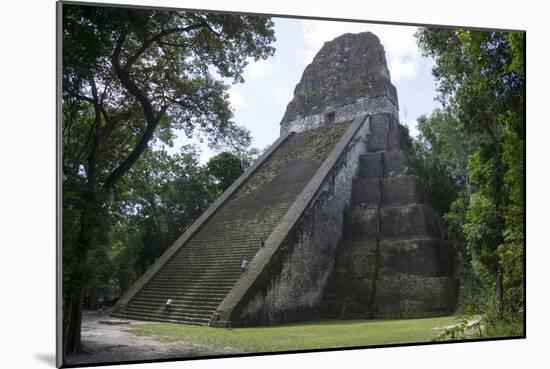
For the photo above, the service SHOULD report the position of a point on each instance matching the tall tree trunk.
(72, 318)
(91, 219)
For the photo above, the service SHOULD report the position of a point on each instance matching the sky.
(260, 102)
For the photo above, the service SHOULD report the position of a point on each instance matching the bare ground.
(114, 343)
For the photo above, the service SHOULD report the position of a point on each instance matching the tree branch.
(151, 118)
(127, 163)
(158, 37)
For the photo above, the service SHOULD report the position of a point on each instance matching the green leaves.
(466, 326)
(168, 62)
(224, 169)
(481, 80)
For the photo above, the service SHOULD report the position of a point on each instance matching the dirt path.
(112, 343)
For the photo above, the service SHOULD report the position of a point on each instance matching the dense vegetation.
(132, 80)
(470, 156)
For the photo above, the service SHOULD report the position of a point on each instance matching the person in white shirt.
(244, 265)
(168, 305)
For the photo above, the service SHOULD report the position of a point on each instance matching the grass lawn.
(298, 336)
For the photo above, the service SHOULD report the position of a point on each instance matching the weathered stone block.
(424, 257)
(395, 163)
(382, 123)
(366, 192)
(412, 220)
(370, 165)
(377, 141)
(360, 224)
(402, 190)
(347, 309)
(355, 259)
(392, 298)
(415, 297)
(395, 140)
(356, 292)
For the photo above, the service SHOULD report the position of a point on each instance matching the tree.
(481, 79)
(224, 169)
(167, 194)
(439, 157)
(131, 77)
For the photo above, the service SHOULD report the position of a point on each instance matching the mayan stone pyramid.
(349, 232)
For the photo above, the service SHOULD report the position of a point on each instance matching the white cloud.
(257, 69)
(402, 53)
(281, 95)
(237, 100)
(403, 67)
(305, 56)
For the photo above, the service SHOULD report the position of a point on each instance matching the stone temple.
(349, 232)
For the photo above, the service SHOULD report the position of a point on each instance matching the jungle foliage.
(470, 156)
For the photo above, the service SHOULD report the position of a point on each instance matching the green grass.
(300, 336)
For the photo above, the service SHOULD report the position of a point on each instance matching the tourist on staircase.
(168, 305)
(244, 265)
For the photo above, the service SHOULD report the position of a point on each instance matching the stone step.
(183, 288)
(383, 122)
(165, 292)
(188, 303)
(190, 287)
(402, 190)
(385, 141)
(212, 266)
(208, 263)
(169, 318)
(183, 312)
(395, 163)
(240, 215)
(418, 257)
(210, 275)
(396, 221)
(174, 310)
(210, 299)
(196, 305)
(232, 253)
(370, 165)
(151, 318)
(214, 260)
(396, 298)
(385, 164)
(195, 277)
(199, 280)
(217, 242)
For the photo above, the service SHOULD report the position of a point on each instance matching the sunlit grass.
(300, 336)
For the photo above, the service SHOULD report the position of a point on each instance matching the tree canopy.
(478, 145)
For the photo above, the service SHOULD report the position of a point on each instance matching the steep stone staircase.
(393, 261)
(200, 274)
